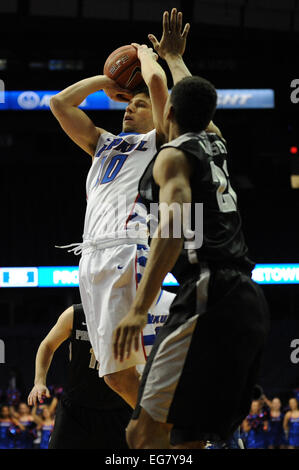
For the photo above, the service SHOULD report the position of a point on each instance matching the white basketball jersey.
(112, 184)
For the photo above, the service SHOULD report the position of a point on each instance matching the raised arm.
(59, 333)
(172, 45)
(156, 81)
(75, 122)
(171, 48)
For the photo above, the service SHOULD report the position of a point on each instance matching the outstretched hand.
(173, 40)
(127, 335)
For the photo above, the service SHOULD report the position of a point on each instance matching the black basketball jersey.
(84, 386)
(222, 238)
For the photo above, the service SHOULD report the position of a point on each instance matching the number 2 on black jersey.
(226, 196)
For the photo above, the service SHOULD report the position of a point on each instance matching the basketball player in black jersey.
(218, 322)
(89, 415)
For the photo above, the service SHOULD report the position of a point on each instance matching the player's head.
(191, 105)
(293, 403)
(138, 116)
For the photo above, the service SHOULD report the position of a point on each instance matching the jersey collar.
(129, 133)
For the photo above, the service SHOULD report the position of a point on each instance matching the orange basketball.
(124, 67)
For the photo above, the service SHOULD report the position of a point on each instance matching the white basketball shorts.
(108, 279)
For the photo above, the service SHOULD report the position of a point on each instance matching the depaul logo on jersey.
(122, 146)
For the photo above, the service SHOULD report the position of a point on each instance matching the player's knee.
(114, 381)
(121, 381)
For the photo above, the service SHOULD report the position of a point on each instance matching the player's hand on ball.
(144, 49)
(37, 394)
(173, 40)
(116, 92)
(126, 335)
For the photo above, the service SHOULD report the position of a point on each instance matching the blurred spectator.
(45, 422)
(291, 424)
(13, 396)
(254, 427)
(275, 436)
(26, 428)
(6, 424)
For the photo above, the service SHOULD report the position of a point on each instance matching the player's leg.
(157, 317)
(146, 433)
(190, 445)
(125, 383)
(150, 427)
(108, 287)
(182, 375)
(68, 432)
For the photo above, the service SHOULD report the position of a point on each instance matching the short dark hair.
(142, 88)
(194, 101)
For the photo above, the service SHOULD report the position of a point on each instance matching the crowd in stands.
(269, 425)
(24, 427)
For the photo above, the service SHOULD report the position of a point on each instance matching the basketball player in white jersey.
(114, 248)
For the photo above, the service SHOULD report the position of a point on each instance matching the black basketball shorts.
(205, 361)
(85, 428)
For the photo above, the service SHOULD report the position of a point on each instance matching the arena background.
(48, 45)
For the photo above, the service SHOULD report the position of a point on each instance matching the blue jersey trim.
(160, 295)
(129, 133)
(148, 340)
